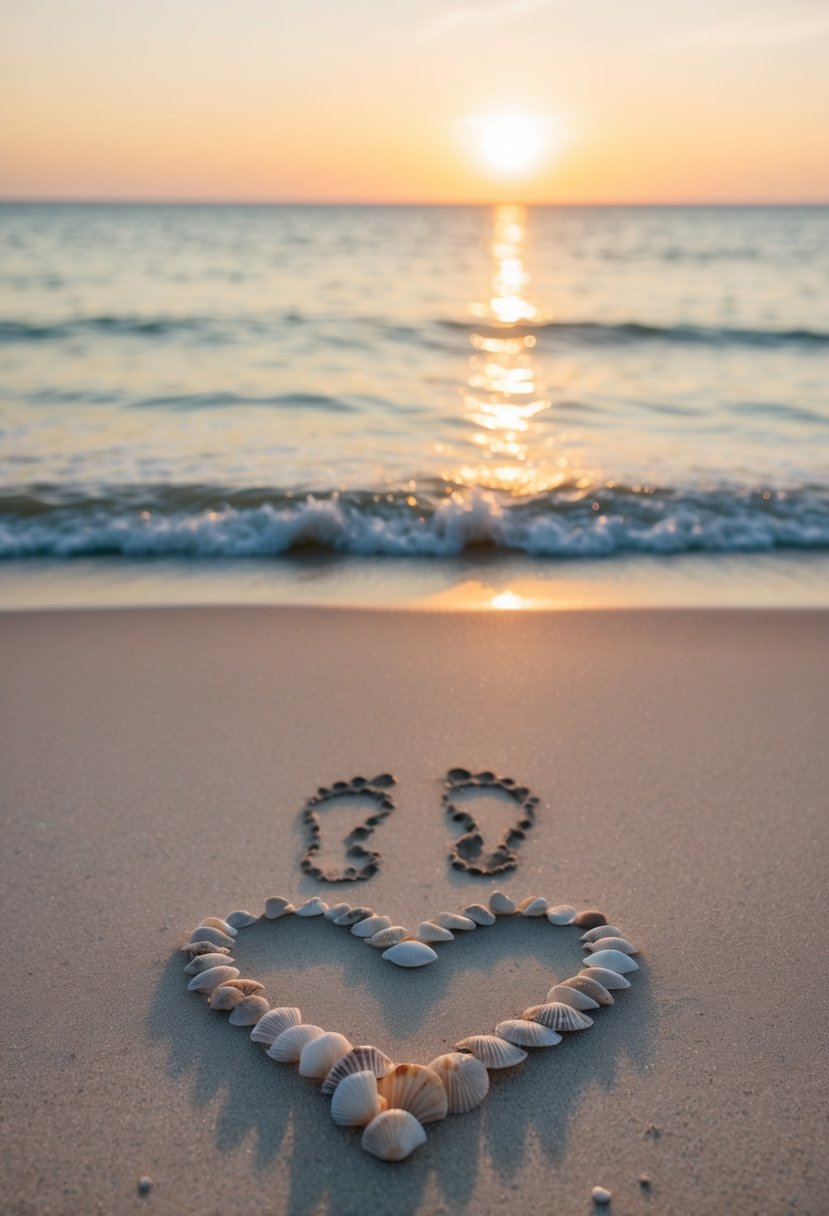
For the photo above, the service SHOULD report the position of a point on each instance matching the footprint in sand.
(352, 810)
(481, 804)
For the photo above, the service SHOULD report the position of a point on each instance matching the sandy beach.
(155, 767)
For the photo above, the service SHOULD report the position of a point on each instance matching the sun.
(512, 143)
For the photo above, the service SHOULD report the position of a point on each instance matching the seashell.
(371, 925)
(359, 1059)
(336, 910)
(224, 998)
(388, 937)
(276, 906)
(561, 914)
(195, 949)
(501, 904)
(312, 907)
(210, 979)
(492, 1051)
(393, 1135)
(465, 1080)
(241, 919)
(249, 1011)
(534, 906)
(410, 954)
(590, 918)
(572, 997)
(205, 933)
(318, 1057)
(593, 935)
(215, 922)
(246, 987)
(558, 1016)
(614, 960)
(203, 962)
(454, 920)
(428, 931)
(287, 1046)
(353, 915)
(417, 1089)
(527, 1034)
(480, 914)
(611, 943)
(606, 977)
(590, 986)
(271, 1024)
(600, 1194)
(356, 1100)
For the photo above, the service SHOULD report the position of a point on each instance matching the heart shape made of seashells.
(392, 1102)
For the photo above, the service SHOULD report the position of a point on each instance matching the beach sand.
(155, 766)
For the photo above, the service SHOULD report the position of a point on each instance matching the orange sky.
(365, 100)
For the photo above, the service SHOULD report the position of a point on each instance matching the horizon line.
(103, 201)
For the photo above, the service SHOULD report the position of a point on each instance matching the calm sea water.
(225, 382)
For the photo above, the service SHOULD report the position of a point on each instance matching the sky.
(387, 101)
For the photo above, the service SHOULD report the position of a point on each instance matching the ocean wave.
(570, 521)
(631, 332)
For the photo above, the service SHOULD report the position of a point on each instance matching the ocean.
(306, 401)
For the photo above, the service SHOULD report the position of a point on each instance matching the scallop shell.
(454, 920)
(246, 987)
(318, 1057)
(558, 1016)
(572, 997)
(614, 960)
(336, 910)
(210, 979)
(287, 1047)
(465, 1080)
(561, 914)
(410, 954)
(527, 1034)
(249, 1010)
(480, 914)
(195, 949)
(356, 1100)
(388, 937)
(359, 1059)
(276, 906)
(393, 1135)
(590, 986)
(353, 915)
(501, 904)
(224, 999)
(428, 931)
(492, 1051)
(590, 918)
(215, 922)
(271, 1025)
(604, 976)
(204, 933)
(593, 935)
(241, 919)
(417, 1089)
(203, 962)
(611, 943)
(534, 906)
(371, 925)
(312, 907)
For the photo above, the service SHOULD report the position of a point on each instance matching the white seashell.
(271, 1025)
(371, 925)
(388, 937)
(351, 917)
(359, 1059)
(501, 904)
(318, 1057)
(393, 1135)
(454, 920)
(561, 914)
(241, 919)
(312, 907)
(210, 979)
(335, 911)
(611, 943)
(203, 962)
(591, 986)
(356, 1100)
(614, 960)
(205, 933)
(276, 906)
(527, 1034)
(428, 931)
(194, 949)
(410, 954)
(604, 976)
(417, 1089)
(215, 922)
(534, 906)
(600, 1194)
(571, 997)
(492, 1051)
(246, 987)
(287, 1047)
(557, 1016)
(593, 935)
(465, 1080)
(249, 1011)
(480, 914)
(224, 999)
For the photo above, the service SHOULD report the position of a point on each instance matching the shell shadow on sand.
(342, 984)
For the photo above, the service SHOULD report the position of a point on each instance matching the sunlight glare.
(512, 143)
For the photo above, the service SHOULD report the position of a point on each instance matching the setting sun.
(513, 143)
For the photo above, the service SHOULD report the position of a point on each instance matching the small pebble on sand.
(145, 1185)
(601, 1195)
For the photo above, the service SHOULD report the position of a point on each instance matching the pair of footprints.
(470, 851)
